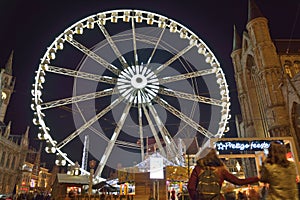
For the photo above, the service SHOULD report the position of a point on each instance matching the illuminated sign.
(32, 183)
(255, 145)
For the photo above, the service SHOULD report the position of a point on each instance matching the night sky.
(29, 27)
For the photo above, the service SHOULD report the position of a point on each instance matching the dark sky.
(29, 27)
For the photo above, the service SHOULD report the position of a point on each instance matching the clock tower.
(7, 84)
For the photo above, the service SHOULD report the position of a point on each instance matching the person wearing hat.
(210, 159)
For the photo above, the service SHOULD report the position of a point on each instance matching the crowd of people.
(29, 196)
(277, 174)
(277, 178)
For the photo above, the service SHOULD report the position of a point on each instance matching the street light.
(76, 170)
(92, 165)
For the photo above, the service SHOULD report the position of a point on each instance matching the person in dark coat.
(209, 158)
(173, 194)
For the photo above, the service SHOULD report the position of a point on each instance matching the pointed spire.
(41, 146)
(25, 141)
(7, 130)
(237, 43)
(253, 10)
(8, 66)
(27, 132)
(38, 157)
(37, 162)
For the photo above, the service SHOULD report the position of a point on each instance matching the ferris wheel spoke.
(175, 57)
(191, 97)
(136, 59)
(141, 128)
(183, 117)
(186, 76)
(127, 144)
(170, 143)
(94, 56)
(156, 45)
(80, 98)
(89, 123)
(154, 132)
(79, 74)
(113, 139)
(113, 45)
(100, 134)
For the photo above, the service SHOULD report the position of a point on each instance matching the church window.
(8, 162)
(287, 68)
(5, 82)
(13, 163)
(3, 158)
(3, 96)
(297, 66)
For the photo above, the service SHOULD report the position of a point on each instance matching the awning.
(66, 178)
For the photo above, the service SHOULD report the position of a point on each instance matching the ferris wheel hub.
(138, 81)
(138, 84)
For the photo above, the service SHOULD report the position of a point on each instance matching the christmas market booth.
(66, 185)
(154, 177)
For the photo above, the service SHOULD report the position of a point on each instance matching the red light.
(289, 155)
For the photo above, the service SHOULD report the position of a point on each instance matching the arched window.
(13, 163)
(3, 158)
(287, 68)
(8, 162)
(297, 66)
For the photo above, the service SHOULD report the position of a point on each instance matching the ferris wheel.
(126, 77)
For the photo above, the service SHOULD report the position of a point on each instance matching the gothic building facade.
(267, 75)
(20, 167)
(13, 149)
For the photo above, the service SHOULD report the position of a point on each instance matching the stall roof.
(66, 178)
(146, 163)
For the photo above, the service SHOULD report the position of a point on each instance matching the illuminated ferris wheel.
(124, 77)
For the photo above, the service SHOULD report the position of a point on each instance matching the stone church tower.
(13, 148)
(267, 74)
(7, 84)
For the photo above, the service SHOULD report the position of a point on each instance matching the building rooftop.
(286, 46)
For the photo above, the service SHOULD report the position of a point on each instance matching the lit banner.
(156, 168)
(242, 145)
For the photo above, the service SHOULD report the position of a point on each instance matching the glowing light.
(79, 29)
(173, 27)
(150, 19)
(90, 24)
(162, 23)
(114, 18)
(138, 17)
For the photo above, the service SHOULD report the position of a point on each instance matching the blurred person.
(209, 159)
(279, 173)
(263, 192)
(241, 196)
(253, 194)
(173, 194)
